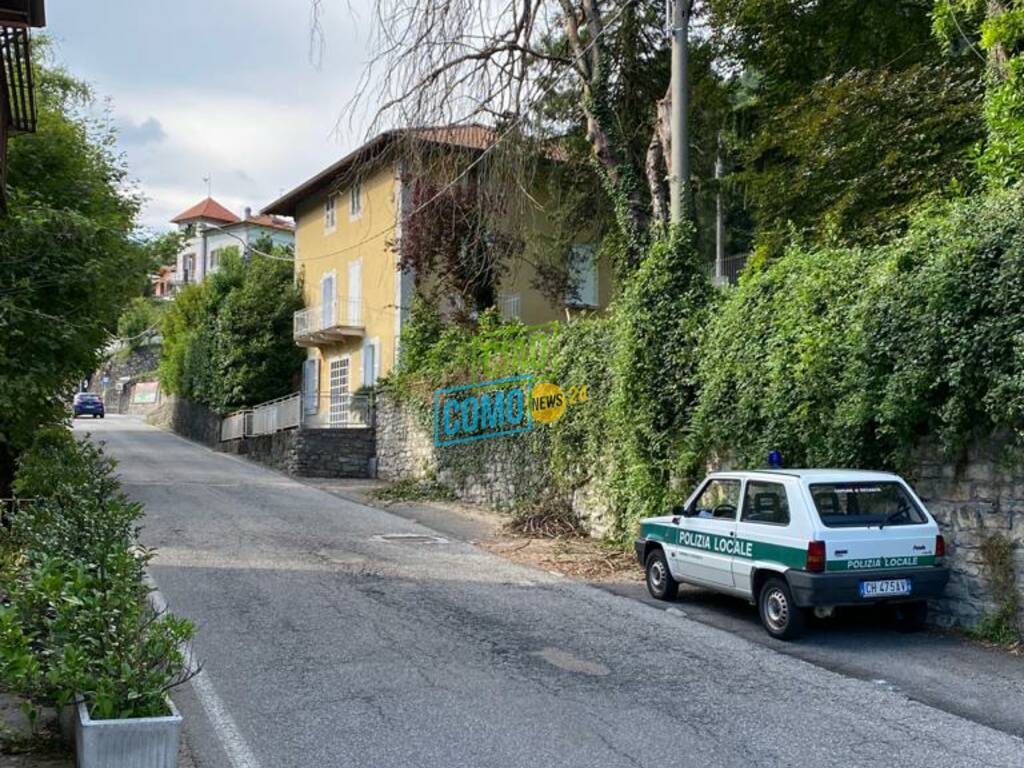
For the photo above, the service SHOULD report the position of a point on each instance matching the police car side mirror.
(680, 510)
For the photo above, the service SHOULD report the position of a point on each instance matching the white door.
(339, 391)
(707, 534)
(355, 292)
(327, 301)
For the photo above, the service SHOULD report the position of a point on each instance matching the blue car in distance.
(88, 404)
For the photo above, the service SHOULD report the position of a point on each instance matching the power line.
(514, 123)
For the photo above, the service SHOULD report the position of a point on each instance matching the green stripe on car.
(749, 549)
(868, 563)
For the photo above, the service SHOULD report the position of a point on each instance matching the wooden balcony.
(328, 324)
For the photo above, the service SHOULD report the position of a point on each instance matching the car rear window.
(863, 504)
(87, 397)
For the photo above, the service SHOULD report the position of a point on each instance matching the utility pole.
(679, 175)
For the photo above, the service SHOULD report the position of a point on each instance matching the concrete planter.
(139, 742)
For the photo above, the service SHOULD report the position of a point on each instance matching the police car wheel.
(782, 618)
(660, 583)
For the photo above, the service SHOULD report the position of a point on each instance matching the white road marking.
(231, 739)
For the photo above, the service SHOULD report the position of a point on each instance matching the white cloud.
(223, 90)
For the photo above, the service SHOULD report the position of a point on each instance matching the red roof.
(206, 209)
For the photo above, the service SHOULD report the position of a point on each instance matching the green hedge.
(75, 617)
(848, 357)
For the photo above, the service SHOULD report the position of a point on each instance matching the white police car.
(800, 539)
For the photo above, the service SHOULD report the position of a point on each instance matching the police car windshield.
(865, 504)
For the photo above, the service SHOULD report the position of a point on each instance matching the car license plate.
(885, 588)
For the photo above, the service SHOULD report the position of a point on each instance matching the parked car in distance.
(87, 404)
(793, 541)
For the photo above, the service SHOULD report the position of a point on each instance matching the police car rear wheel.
(660, 583)
(781, 617)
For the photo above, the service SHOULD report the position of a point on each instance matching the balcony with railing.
(328, 323)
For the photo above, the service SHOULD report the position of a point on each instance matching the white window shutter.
(311, 385)
(369, 364)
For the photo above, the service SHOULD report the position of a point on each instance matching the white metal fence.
(233, 427)
(729, 270)
(347, 411)
(275, 415)
(326, 316)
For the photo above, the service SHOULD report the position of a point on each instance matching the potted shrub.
(77, 630)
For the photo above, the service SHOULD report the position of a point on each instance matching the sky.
(224, 89)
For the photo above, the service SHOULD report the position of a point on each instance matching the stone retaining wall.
(299, 452)
(981, 496)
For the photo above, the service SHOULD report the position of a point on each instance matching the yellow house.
(347, 254)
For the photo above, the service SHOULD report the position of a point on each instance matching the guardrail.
(236, 425)
(276, 415)
(348, 314)
(347, 411)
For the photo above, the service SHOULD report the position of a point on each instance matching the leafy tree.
(849, 157)
(847, 112)
(660, 321)
(140, 319)
(259, 359)
(992, 30)
(228, 341)
(67, 266)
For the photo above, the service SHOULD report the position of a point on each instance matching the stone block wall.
(189, 419)
(332, 453)
(499, 473)
(274, 450)
(299, 452)
(979, 496)
(404, 448)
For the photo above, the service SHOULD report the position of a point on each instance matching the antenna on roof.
(209, 184)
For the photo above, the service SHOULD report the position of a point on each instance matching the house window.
(339, 392)
(508, 305)
(215, 256)
(330, 204)
(356, 200)
(583, 273)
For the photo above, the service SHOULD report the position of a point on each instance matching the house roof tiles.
(206, 209)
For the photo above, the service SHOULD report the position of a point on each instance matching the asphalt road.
(325, 644)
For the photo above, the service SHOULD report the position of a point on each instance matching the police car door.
(707, 533)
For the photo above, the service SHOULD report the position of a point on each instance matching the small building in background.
(163, 282)
(211, 228)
